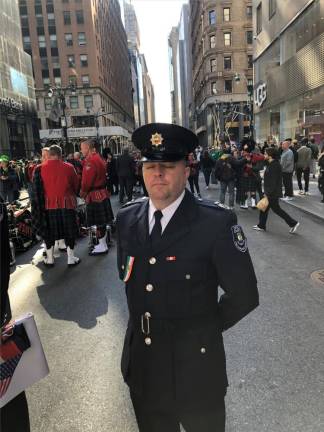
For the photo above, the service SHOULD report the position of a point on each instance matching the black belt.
(148, 324)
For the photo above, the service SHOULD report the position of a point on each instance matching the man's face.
(285, 145)
(44, 155)
(165, 181)
(85, 149)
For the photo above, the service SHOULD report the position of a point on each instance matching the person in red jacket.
(60, 185)
(95, 194)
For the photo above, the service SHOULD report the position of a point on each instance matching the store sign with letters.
(260, 94)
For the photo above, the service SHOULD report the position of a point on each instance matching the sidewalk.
(310, 204)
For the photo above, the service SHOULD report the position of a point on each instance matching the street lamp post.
(60, 92)
(237, 78)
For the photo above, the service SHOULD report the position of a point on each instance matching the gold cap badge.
(156, 139)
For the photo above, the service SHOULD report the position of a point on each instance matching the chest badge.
(128, 268)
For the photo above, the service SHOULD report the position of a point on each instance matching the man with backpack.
(226, 174)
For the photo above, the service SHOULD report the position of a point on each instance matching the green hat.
(4, 158)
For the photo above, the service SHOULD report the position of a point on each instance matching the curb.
(304, 210)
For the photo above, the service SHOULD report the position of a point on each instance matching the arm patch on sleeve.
(239, 238)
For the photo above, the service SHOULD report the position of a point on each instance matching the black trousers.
(125, 186)
(207, 172)
(300, 172)
(168, 420)
(14, 416)
(287, 180)
(194, 180)
(275, 207)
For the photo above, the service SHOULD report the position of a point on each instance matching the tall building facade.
(222, 58)
(143, 92)
(288, 68)
(18, 119)
(181, 69)
(79, 49)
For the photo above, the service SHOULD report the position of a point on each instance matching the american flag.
(14, 341)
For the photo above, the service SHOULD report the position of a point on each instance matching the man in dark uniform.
(173, 253)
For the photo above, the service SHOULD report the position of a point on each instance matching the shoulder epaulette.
(211, 204)
(138, 201)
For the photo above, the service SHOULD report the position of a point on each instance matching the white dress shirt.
(168, 212)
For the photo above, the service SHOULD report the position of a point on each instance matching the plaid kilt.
(248, 184)
(61, 224)
(99, 213)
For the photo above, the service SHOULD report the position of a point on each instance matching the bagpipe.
(21, 234)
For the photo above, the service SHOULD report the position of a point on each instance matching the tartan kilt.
(61, 224)
(99, 213)
(248, 184)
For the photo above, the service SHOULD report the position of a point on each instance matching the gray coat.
(287, 161)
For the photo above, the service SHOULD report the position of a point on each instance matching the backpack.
(224, 171)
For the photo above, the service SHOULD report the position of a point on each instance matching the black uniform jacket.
(176, 282)
(273, 180)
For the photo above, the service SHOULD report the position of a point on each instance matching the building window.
(213, 88)
(68, 39)
(66, 17)
(40, 30)
(226, 14)
(250, 87)
(53, 41)
(25, 31)
(73, 80)
(249, 11)
(44, 62)
(46, 82)
(88, 101)
(227, 62)
(79, 16)
(84, 60)
(52, 29)
(26, 42)
(24, 21)
(227, 39)
(42, 52)
(45, 73)
(74, 102)
(57, 72)
(71, 61)
(249, 37)
(56, 62)
(39, 21)
(54, 52)
(41, 41)
(50, 8)
(65, 1)
(272, 8)
(23, 10)
(82, 39)
(259, 18)
(38, 9)
(213, 65)
(48, 103)
(85, 80)
(58, 81)
(50, 16)
(250, 61)
(212, 41)
(228, 86)
(212, 17)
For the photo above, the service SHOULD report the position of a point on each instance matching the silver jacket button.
(149, 287)
(148, 341)
(152, 260)
(203, 350)
(188, 276)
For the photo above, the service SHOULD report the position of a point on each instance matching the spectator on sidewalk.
(303, 166)
(193, 178)
(315, 151)
(207, 163)
(8, 180)
(287, 166)
(273, 191)
(321, 173)
(125, 168)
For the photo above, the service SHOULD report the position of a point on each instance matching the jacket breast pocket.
(182, 279)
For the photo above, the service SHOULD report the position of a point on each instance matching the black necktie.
(157, 229)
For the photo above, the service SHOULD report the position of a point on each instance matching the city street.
(274, 356)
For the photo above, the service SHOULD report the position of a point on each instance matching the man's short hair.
(55, 150)
(90, 142)
(45, 149)
(272, 152)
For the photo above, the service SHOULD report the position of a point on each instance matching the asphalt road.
(275, 355)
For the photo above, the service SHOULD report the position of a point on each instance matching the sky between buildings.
(155, 19)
